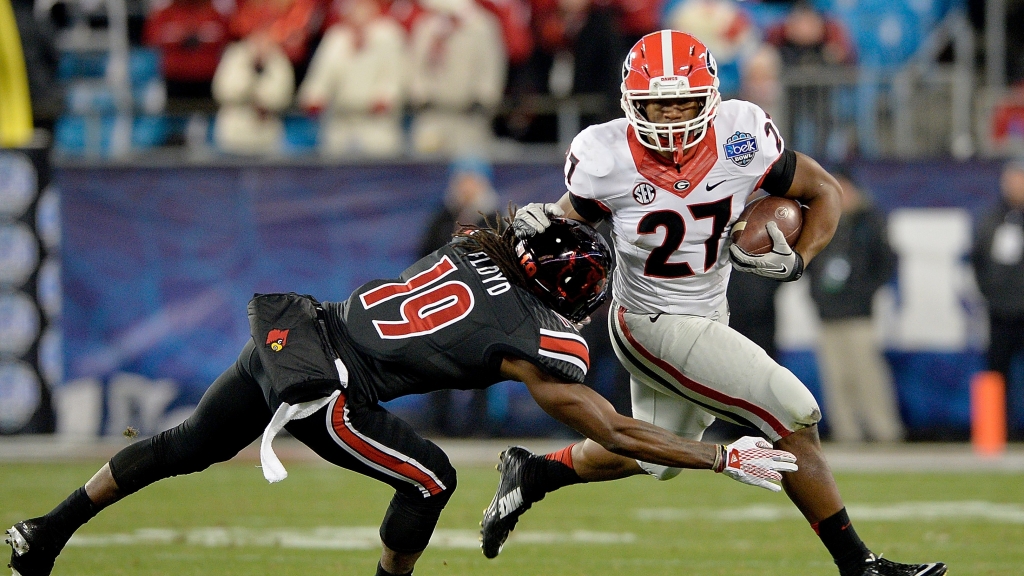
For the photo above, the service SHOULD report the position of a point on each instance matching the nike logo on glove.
(710, 187)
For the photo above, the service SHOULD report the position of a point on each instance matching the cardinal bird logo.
(277, 339)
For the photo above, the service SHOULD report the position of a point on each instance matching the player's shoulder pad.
(561, 351)
(748, 141)
(741, 114)
(593, 150)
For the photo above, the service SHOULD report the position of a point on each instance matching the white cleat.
(16, 541)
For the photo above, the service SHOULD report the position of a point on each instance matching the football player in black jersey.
(485, 308)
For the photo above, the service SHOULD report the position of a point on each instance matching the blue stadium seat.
(300, 133)
(143, 66)
(149, 131)
(69, 135)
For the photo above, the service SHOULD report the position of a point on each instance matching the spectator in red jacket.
(291, 24)
(191, 35)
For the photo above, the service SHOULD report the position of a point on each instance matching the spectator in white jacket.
(254, 82)
(358, 79)
(457, 77)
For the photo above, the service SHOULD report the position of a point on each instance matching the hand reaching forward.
(753, 461)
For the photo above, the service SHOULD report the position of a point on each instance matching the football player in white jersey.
(672, 177)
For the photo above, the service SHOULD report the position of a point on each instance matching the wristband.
(720, 459)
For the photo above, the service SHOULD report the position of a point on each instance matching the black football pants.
(353, 432)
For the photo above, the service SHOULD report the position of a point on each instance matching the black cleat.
(508, 504)
(883, 567)
(33, 548)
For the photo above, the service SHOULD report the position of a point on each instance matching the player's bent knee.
(800, 408)
(660, 472)
(411, 518)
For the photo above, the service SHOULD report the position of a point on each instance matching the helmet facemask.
(670, 65)
(674, 137)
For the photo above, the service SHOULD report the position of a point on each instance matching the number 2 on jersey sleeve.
(657, 265)
(428, 308)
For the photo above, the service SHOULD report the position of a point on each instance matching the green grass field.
(322, 520)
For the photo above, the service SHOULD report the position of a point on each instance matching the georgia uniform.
(669, 317)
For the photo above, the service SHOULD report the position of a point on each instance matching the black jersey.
(447, 321)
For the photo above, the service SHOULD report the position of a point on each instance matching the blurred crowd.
(386, 77)
(382, 78)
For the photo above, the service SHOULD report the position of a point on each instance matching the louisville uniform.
(446, 322)
(670, 225)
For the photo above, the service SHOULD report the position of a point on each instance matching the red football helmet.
(669, 64)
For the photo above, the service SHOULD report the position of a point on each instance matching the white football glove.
(534, 218)
(753, 461)
(782, 263)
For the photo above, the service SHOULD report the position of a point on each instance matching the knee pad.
(793, 396)
(660, 472)
(411, 518)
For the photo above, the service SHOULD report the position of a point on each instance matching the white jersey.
(670, 227)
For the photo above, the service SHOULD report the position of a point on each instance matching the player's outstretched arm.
(814, 187)
(593, 416)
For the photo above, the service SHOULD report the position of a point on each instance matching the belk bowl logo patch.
(644, 193)
(681, 185)
(277, 339)
(741, 148)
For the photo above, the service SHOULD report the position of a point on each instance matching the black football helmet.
(567, 267)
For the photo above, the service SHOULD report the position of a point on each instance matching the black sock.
(382, 572)
(549, 473)
(70, 514)
(847, 550)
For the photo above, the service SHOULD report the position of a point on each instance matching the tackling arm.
(748, 460)
(590, 414)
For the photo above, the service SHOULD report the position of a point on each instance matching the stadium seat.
(300, 134)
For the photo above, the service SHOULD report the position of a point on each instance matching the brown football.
(749, 232)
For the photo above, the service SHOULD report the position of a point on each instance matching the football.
(749, 232)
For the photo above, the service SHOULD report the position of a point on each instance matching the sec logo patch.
(644, 193)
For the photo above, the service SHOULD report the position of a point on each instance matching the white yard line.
(329, 538)
(367, 538)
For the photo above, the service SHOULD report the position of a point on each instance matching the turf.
(668, 527)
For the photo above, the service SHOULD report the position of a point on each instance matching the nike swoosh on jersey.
(710, 187)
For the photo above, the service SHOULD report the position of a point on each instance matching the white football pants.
(687, 370)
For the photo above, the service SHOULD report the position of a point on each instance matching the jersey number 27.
(657, 265)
